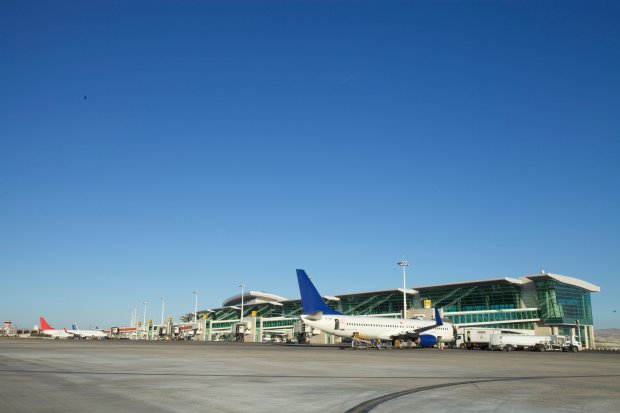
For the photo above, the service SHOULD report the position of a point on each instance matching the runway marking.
(368, 405)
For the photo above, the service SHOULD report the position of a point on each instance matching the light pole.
(196, 294)
(404, 264)
(163, 303)
(242, 286)
(133, 317)
(144, 322)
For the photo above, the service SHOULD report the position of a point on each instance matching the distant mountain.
(607, 333)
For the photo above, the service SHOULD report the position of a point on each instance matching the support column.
(252, 336)
(202, 329)
(586, 336)
(593, 342)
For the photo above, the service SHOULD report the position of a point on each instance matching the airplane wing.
(72, 334)
(414, 334)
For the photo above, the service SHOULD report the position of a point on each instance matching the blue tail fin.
(311, 300)
(438, 320)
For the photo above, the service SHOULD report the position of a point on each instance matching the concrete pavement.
(98, 376)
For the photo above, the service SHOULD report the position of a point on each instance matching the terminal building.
(541, 304)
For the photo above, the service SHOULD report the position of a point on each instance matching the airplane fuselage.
(88, 333)
(377, 327)
(57, 333)
(74, 333)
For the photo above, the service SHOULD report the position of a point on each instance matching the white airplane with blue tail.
(424, 332)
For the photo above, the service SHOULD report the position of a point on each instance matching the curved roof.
(253, 297)
(459, 283)
(261, 297)
(374, 292)
(575, 282)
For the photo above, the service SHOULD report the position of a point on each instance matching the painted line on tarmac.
(367, 406)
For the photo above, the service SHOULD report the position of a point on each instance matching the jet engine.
(427, 340)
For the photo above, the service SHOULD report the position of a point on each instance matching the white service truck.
(477, 338)
(509, 342)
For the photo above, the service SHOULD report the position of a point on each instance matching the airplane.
(64, 333)
(424, 332)
(51, 331)
(87, 333)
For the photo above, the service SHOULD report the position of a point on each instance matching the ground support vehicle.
(509, 342)
(476, 337)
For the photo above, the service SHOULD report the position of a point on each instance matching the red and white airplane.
(45, 328)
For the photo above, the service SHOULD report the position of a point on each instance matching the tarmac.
(132, 376)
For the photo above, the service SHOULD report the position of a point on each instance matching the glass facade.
(291, 309)
(380, 303)
(278, 323)
(493, 303)
(513, 326)
(225, 314)
(474, 297)
(500, 316)
(562, 303)
(362, 304)
(267, 310)
(223, 325)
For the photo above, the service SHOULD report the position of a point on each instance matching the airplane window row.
(395, 326)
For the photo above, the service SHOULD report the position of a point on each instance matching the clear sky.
(151, 149)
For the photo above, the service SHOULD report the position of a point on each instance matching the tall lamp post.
(163, 303)
(404, 264)
(134, 316)
(196, 294)
(242, 286)
(144, 322)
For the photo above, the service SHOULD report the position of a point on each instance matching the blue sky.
(150, 149)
